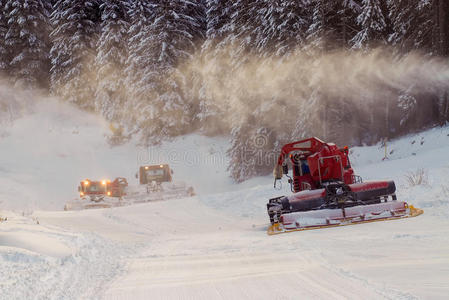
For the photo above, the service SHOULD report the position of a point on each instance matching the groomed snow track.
(198, 252)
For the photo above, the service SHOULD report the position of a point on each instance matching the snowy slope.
(427, 151)
(214, 245)
(45, 154)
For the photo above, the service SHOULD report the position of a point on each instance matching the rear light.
(281, 219)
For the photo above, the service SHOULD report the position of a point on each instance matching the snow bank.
(47, 262)
(34, 242)
(428, 151)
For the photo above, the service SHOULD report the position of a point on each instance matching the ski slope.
(48, 151)
(213, 245)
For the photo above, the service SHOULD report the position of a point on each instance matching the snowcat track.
(277, 228)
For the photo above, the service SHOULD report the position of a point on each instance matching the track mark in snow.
(383, 290)
(245, 276)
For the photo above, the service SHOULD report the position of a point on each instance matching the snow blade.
(134, 195)
(85, 203)
(317, 219)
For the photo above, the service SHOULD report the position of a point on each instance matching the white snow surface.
(44, 156)
(213, 245)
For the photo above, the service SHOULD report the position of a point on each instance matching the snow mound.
(34, 242)
(47, 262)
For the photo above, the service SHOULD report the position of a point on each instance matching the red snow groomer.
(97, 190)
(99, 194)
(326, 191)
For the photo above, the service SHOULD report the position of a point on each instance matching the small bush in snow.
(418, 177)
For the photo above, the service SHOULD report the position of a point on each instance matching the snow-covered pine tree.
(75, 32)
(254, 147)
(412, 24)
(440, 34)
(242, 153)
(217, 20)
(413, 28)
(214, 60)
(191, 88)
(220, 28)
(111, 93)
(312, 114)
(264, 31)
(247, 29)
(319, 29)
(172, 38)
(27, 41)
(443, 107)
(407, 103)
(332, 24)
(440, 46)
(138, 66)
(283, 27)
(140, 15)
(308, 122)
(239, 46)
(346, 25)
(49, 4)
(175, 28)
(4, 59)
(373, 25)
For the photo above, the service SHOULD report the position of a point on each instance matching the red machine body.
(326, 191)
(314, 162)
(100, 189)
(118, 187)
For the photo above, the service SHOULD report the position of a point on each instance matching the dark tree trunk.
(444, 26)
(441, 28)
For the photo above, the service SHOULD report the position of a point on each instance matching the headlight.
(109, 193)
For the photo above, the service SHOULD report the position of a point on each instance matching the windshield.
(155, 172)
(94, 187)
